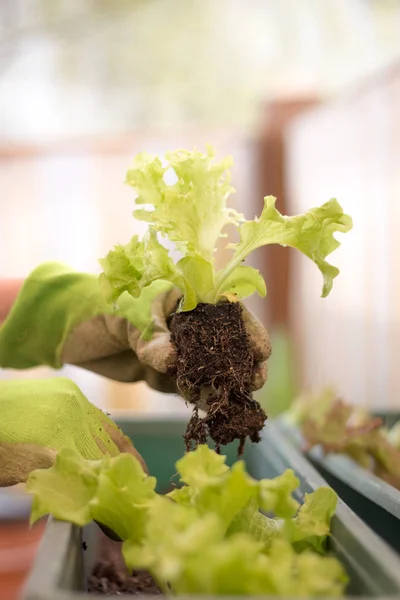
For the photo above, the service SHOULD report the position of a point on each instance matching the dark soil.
(111, 577)
(214, 353)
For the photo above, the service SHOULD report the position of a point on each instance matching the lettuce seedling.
(184, 201)
(192, 213)
(207, 537)
(338, 427)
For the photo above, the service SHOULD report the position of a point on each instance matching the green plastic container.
(61, 566)
(161, 444)
(374, 500)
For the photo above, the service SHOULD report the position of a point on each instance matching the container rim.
(347, 470)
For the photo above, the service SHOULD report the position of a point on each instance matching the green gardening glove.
(60, 317)
(39, 418)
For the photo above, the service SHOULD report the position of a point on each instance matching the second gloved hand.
(41, 417)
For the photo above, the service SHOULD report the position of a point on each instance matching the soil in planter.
(111, 577)
(214, 353)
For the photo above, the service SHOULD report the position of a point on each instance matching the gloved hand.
(60, 317)
(38, 418)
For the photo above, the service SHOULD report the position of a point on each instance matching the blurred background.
(306, 97)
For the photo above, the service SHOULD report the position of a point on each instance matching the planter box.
(374, 500)
(61, 565)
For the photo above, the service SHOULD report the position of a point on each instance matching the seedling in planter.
(207, 328)
(327, 421)
(207, 537)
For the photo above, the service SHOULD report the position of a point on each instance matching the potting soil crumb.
(111, 577)
(106, 580)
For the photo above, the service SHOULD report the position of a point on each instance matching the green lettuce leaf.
(311, 233)
(174, 533)
(214, 488)
(311, 526)
(123, 497)
(199, 274)
(202, 467)
(242, 282)
(275, 495)
(123, 269)
(262, 528)
(192, 212)
(113, 491)
(226, 491)
(308, 529)
(138, 310)
(139, 264)
(306, 574)
(66, 489)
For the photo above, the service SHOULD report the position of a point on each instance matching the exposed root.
(214, 353)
